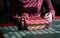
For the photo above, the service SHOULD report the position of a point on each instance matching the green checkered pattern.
(12, 32)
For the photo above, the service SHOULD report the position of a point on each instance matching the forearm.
(39, 4)
(51, 7)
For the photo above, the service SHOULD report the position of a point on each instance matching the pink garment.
(24, 1)
(37, 4)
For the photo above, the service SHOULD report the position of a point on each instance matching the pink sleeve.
(51, 7)
(39, 5)
(24, 1)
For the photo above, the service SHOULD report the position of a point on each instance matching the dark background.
(56, 4)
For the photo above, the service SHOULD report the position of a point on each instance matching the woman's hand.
(48, 17)
(53, 13)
